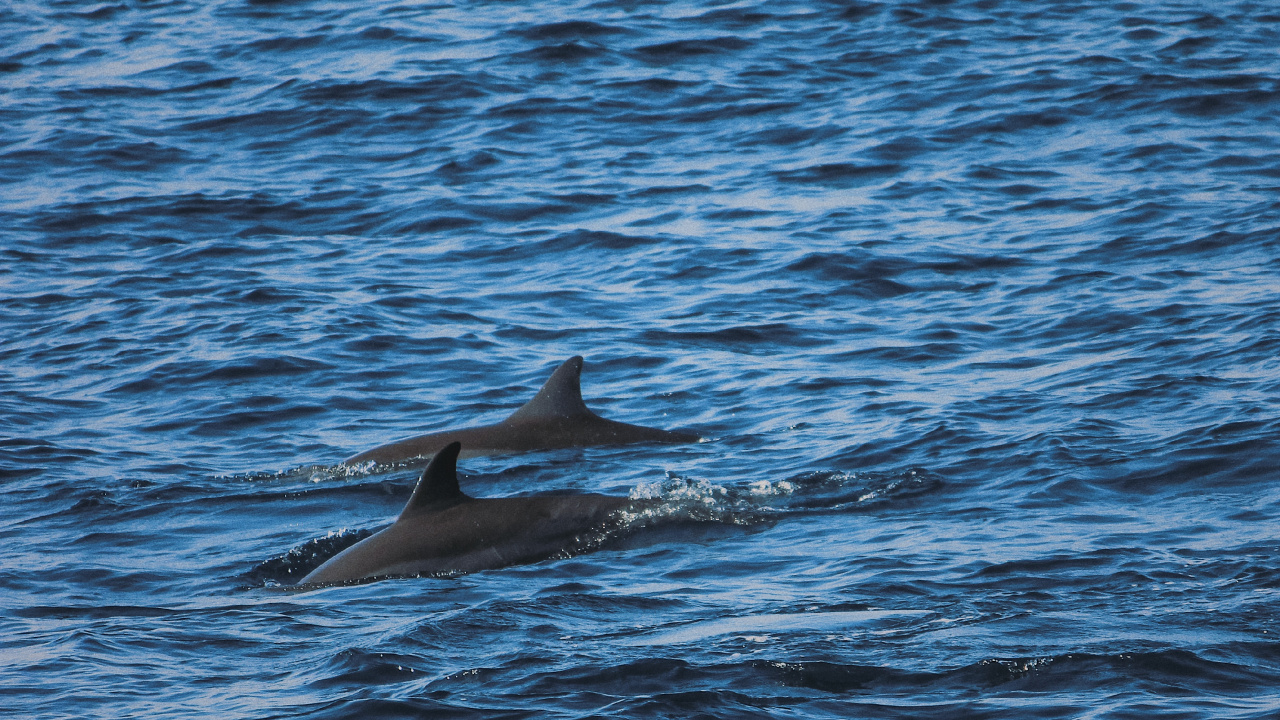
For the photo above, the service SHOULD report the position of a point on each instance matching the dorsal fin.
(438, 486)
(561, 396)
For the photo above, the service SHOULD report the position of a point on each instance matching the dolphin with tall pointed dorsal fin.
(443, 531)
(555, 418)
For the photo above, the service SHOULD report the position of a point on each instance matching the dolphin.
(555, 418)
(444, 531)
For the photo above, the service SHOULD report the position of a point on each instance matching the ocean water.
(976, 304)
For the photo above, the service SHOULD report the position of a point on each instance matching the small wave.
(569, 52)
(758, 628)
(569, 30)
(356, 666)
(840, 175)
(836, 491)
(289, 568)
(678, 50)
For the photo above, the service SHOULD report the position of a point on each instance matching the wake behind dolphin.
(444, 531)
(555, 418)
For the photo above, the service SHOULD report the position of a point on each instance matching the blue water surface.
(977, 304)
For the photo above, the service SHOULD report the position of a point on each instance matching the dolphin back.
(557, 417)
(443, 530)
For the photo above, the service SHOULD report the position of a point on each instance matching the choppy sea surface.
(976, 303)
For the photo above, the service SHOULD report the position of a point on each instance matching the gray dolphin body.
(443, 531)
(555, 418)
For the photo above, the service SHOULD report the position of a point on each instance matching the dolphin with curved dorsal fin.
(443, 531)
(555, 418)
